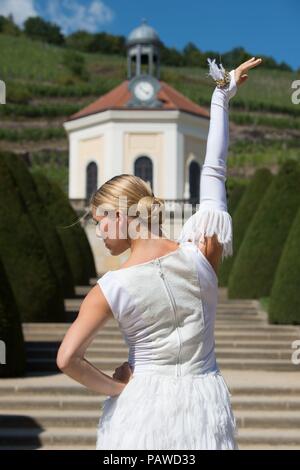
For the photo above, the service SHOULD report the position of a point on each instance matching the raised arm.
(211, 225)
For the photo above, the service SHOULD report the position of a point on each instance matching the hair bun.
(151, 209)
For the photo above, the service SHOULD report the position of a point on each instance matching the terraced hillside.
(42, 92)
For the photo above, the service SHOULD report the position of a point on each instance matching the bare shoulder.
(212, 250)
(96, 301)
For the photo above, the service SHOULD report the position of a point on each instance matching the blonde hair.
(133, 196)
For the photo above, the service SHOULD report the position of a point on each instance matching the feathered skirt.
(159, 412)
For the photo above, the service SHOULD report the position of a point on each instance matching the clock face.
(144, 90)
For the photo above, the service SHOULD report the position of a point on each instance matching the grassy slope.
(265, 137)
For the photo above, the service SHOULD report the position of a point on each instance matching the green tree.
(37, 28)
(11, 332)
(74, 239)
(43, 225)
(257, 259)
(108, 44)
(75, 62)
(193, 56)
(284, 303)
(80, 40)
(234, 191)
(242, 216)
(8, 26)
(25, 260)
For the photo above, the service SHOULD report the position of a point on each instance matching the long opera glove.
(212, 217)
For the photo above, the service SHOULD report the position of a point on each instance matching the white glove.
(212, 216)
(214, 170)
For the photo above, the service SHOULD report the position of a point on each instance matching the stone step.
(20, 418)
(51, 402)
(228, 335)
(275, 365)
(52, 398)
(48, 447)
(267, 403)
(110, 353)
(39, 437)
(66, 417)
(221, 316)
(274, 437)
(120, 344)
(82, 291)
(221, 322)
(72, 304)
(220, 326)
(268, 447)
(268, 419)
(250, 393)
(45, 364)
(50, 352)
(233, 363)
(62, 436)
(90, 447)
(89, 419)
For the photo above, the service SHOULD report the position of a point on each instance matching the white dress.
(165, 308)
(177, 397)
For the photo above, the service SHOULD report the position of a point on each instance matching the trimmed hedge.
(74, 239)
(242, 216)
(235, 191)
(256, 262)
(284, 303)
(10, 331)
(24, 258)
(32, 134)
(43, 225)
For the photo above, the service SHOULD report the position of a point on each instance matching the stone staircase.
(48, 410)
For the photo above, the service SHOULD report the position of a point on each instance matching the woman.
(170, 394)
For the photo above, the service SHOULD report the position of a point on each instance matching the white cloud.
(72, 15)
(20, 9)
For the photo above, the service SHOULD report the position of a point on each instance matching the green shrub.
(43, 225)
(242, 215)
(235, 190)
(25, 260)
(10, 331)
(256, 262)
(32, 134)
(18, 93)
(37, 28)
(39, 111)
(284, 304)
(75, 62)
(74, 239)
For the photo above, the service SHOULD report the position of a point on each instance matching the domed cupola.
(143, 56)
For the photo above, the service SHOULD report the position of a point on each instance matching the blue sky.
(269, 27)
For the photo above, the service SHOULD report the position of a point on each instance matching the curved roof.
(143, 34)
(120, 95)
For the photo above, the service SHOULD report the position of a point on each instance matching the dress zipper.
(178, 366)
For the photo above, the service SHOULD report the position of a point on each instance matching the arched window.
(194, 178)
(143, 168)
(91, 179)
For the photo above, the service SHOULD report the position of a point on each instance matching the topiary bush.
(74, 239)
(235, 190)
(284, 302)
(43, 225)
(256, 262)
(25, 261)
(11, 332)
(242, 216)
